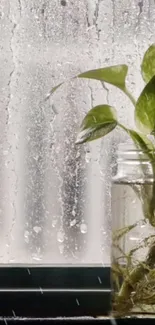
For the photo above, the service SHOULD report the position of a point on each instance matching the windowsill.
(77, 320)
(46, 294)
(54, 291)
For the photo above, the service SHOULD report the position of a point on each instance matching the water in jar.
(133, 247)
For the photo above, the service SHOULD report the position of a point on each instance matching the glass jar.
(133, 233)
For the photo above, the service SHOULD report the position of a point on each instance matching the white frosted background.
(55, 196)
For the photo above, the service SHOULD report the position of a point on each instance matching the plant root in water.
(134, 282)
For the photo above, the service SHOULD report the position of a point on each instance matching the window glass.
(54, 195)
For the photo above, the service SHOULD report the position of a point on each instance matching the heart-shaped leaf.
(114, 75)
(148, 64)
(99, 121)
(145, 109)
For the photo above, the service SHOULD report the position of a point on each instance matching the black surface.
(55, 277)
(44, 295)
(78, 321)
(35, 304)
(54, 291)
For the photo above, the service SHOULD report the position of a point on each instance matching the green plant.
(101, 120)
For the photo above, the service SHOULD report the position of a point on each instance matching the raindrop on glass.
(36, 258)
(26, 236)
(72, 222)
(54, 222)
(61, 248)
(37, 229)
(87, 155)
(83, 228)
(60, 236)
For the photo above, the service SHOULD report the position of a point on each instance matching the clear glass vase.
(133, 233)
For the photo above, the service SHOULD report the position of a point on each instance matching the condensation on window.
(54, 195)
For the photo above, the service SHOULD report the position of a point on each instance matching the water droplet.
(54, 222)
(77, 154)
(73, 213)
(60, 236)
(27, 240)
(63, 3)
(7, 163)
(61, 248)
(88, 157)
(36, 258)
(83, 228)
(1, 15)
(36, 158)
(12, 260)
(142, 223)
(125, 13)
(134, 238)
(72, 222)
(37, 229)
(26, 236)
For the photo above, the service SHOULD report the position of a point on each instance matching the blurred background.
(54, 195)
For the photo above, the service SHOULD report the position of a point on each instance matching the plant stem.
(152, 204)
(127, 92)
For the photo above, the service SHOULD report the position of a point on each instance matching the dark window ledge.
(33, 295)
(82, 320)
(54, 291)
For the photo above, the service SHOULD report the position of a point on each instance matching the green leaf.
(145, 109)
(99, 121)
(53, 90)
(141, 141)
(145, 141)
(114, 75)
(148, 64)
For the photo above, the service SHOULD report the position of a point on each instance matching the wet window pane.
(55, 196)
